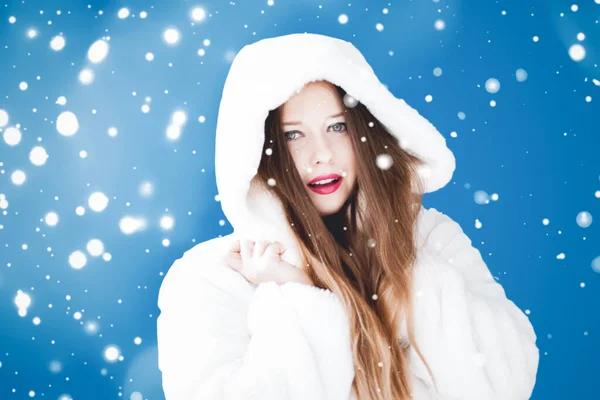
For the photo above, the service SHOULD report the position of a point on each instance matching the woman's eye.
(341, 128)
(287, 133)
(342, 124)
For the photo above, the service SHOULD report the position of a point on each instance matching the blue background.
(537, 149)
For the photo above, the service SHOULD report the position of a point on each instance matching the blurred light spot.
(67, 123)
(77, 260)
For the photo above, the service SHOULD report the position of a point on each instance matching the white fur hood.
(220, 337)
(263, 76)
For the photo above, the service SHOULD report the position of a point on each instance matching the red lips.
(326, 189)
(323, 177)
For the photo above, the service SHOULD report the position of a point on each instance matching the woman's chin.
(330, 205)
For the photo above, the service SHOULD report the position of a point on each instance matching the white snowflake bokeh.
(107, 121)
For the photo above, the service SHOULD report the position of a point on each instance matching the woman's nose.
(321, 151)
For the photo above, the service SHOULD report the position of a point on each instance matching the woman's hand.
(261, 261)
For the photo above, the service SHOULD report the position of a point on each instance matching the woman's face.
(315, 129)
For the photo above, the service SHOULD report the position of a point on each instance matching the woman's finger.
(235, 247)
(234, 260)
(281, 248)
(271, 250)
(259, 248)
(246, 249)
(274, 249)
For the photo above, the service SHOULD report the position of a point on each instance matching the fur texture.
(222, 338)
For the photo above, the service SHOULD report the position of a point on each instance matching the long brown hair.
(369, 265)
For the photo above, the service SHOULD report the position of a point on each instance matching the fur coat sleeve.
(219, 337)
(477, 343)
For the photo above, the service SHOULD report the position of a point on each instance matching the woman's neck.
(335, 224)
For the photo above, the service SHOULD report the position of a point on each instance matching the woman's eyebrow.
(298, 123)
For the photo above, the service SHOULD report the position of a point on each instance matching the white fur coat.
(222, 338)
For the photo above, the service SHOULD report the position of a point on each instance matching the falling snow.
(107, 124)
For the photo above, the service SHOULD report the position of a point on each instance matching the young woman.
(336, 282)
